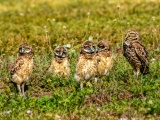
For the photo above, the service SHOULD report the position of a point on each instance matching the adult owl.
(60, 65)
(135, 52)
(86, 67)
(21, 68)
(104, 58)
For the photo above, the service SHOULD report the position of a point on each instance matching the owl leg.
(95, 80)
(136, 73)
(81, 85)
(103, 79)
(19, 89)
(23, 84)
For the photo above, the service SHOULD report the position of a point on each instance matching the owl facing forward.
(104, 58)
(21, 68)
(135, 52)
(60, 65)
(86, 67)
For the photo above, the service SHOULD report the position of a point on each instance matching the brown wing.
(17, 65)
(141, 52)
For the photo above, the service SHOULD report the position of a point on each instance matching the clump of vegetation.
(46, 24)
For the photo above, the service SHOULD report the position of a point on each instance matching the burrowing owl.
(104, 57)
(135, 52)
(60, 65)
(86, 67)
(22, 67)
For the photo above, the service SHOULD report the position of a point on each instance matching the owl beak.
(98, 49)
(92, 49)
(61, 53)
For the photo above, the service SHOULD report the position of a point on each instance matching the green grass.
(46, 24)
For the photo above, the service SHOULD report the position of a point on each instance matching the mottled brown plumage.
(104, 58)
(86, 67)
(60, 65)
(21, 68)
(135, 52)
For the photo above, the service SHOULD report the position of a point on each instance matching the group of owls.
(92, 61)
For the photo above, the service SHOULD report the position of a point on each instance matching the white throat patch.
(127, 42)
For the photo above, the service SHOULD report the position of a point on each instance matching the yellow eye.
(86, 47)
(101, 46)
(27, 49)
(132, 35)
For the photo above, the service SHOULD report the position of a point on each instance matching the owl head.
(88, 47)
(103, 45)
(132, 35)
(60, 52)
(25, 48)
